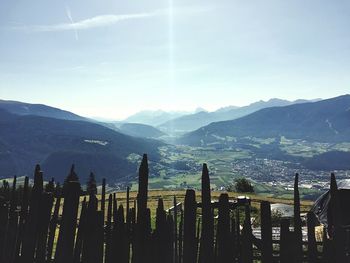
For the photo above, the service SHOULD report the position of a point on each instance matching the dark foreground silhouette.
(35, 227)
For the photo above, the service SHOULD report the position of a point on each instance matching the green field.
(180, 168)
(168, 175)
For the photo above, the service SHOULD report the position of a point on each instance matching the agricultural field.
(301, 148)
(180, 167)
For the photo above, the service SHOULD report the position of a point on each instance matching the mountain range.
(56, 143)
(36, 133)
(194, 121)
(323, 121)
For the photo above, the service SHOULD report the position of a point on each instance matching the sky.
(114, 58)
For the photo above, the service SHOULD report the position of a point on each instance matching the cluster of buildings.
(281, 173)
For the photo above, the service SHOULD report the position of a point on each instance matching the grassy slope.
(167, 196)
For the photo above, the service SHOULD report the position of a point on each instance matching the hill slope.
(324, 121)
(192, 122)
(56, 144)
(21, 108)
(329, 161)
(140, 130)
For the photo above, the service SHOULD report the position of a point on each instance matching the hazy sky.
(112, 58)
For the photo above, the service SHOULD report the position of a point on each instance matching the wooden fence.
(40, 230)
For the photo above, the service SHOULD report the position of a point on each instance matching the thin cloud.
(106, 20)
(94, 22)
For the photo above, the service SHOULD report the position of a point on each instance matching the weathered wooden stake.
(66, 237)
(311, 246)
(30, 233)
(266, 232)
(44, 221)
(247, 242)
(189, 246)
(206, 252)
(298, 236)
(108, 251)
(103, 196)
(224, 250)
(80, 233)
(52, 229)
(286, 243)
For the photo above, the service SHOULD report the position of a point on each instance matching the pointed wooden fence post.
(128, 221)
(233, 237)
(181, 236)
(3, 225)
(175, 235)
(66, 237)
(30, 233)
(216, 244)
(159, 235)
(124, 240)
(170, 239)
(148, 238)
(115, 208)
(189, 243)
(286, 243)
(44, 221)
(311, 240)
(80, 233)
(335, 223)
(206, 250)
(92, 240)
(14, 197)
(103, 196)
(247, 242)
(298, 235)
(108, 251)
(52, 229)
(99, 237)
(266, 232)
(133, 233)
(139, 249)
(238, 237)
(142, 194)
(23, 217)
(89, 230)
(128, 216)
(223, 231)
(120, 242)
(12, 230)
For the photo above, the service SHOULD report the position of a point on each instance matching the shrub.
(243, 185)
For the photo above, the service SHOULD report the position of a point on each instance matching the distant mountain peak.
(194, 121)
(323, 121)
(199, 109)
(271, 101)
(227, 108)
(153, 117)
